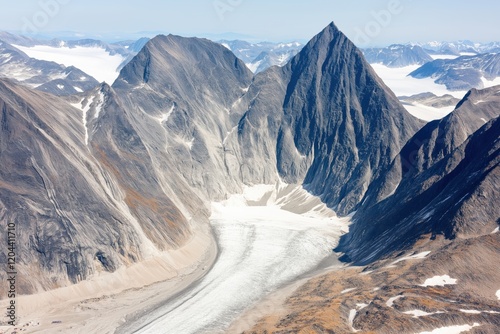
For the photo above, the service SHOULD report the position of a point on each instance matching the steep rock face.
(453, 193)
(186, 88)
(436, 140)
(76, 214)
(51, 189)
(343, 116)
(325, 120)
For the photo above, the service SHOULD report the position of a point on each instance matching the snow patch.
(99, 105)
(490, 83)
(439, 281)
(498, 294)
(361, 306)
(229, 133)
(452, 329)
(496, 230)
(352, 315)
(347, 290)
(85, 111)
(164, 118)
(443, 57)
(419, 256)
(61, 87)
(254, 66)
(471, 311)
(390, 301)
(189, 143)
(420, 313)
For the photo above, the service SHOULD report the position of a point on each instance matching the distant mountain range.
(260, 56)
(459, 65)
(462, 73)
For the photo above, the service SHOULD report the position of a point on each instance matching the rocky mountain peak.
(344, 111)
(171, 61)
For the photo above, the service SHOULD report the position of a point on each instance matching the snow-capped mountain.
(42, 75)
(458, 48)
(271, 58)
(462, 73)
(101, 60)
(260, 56)
(397, 55)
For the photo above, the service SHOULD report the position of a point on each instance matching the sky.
(366, 22)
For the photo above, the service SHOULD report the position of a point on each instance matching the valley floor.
(104, 302)
(267, 238)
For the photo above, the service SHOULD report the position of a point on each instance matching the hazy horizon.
(367, 23)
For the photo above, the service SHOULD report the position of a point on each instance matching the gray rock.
(444, 181)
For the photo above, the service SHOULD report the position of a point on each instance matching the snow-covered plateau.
(95, 61)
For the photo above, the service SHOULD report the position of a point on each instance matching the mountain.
(458, 48)
(397, 55)
(271, 58)
(341, 106)
(42, 75)
(430, 100)
(461, 73)
(451, 48)
(423, 253)
(441, 183)
(83, 215)
(134, 46)
(260, 56)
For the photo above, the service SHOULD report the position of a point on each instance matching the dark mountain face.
(43, 75)
(463, 73)
(342, 116)
(442, 182)
(397, 55)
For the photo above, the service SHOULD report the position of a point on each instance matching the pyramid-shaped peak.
(329, 32)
